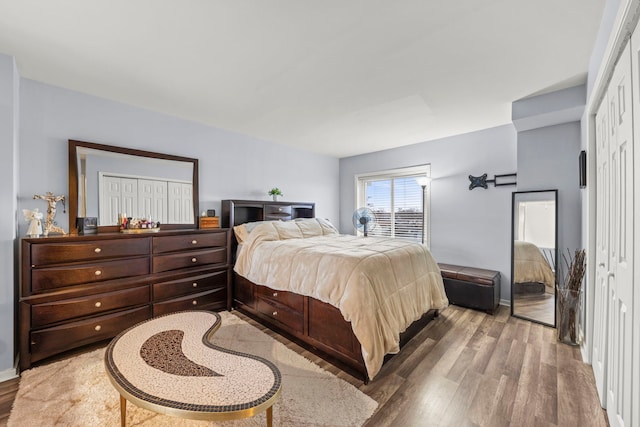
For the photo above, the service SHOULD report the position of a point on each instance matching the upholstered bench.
(471, 287)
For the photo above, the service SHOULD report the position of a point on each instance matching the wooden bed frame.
(315, 325)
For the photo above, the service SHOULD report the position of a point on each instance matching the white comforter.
(380, 285)
(529, 265)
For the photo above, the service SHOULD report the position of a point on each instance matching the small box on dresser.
(209, 222)
(79, 290)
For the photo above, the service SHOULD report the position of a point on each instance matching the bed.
(350, 297)
(532, 272)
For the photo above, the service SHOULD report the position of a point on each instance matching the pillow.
(242, 231)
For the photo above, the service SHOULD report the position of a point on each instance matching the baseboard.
(505, 302)
(8, 374)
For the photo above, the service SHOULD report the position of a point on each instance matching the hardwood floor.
(468, 368)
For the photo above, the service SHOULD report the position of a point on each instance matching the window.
(398, 201)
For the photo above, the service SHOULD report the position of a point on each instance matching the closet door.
(635, 344)
(601, 290)
(620, 292)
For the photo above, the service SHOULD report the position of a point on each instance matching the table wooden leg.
(123, 411)
(270, 416)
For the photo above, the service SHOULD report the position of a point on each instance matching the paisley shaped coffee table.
(170, 366)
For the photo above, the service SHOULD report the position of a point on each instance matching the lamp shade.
(423, 180)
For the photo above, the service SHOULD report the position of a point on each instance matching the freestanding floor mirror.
(534, 255)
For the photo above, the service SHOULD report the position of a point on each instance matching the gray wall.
(548, 159)
(471, 228)
(9, 83)
(231, 165)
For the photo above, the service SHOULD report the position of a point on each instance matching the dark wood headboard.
(236, 212)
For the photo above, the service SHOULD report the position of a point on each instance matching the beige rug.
(76, 391)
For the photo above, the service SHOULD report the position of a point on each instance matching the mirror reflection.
(107, 181)
(534, 256)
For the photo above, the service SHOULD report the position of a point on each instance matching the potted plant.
(275, 192)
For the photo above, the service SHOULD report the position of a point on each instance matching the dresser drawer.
(56, 277)
(190, 285)
(50, 341)
(290, 299)
(57, 311)
(214, 299)
(59, 253)
(281, 315)
(162, 244)
(189, 259)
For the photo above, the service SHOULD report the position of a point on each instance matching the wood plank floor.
(468, 368)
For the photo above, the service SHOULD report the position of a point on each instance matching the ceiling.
(338, 77)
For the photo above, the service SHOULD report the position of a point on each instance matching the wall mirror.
(534, 255)
(106, 180)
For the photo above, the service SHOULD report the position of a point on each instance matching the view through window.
(396, 199)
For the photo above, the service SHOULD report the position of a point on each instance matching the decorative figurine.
(52, 200)
(35, 224)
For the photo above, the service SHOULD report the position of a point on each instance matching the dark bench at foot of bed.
(471, 287)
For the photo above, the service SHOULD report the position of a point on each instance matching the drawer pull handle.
(97, 328)
(194, 302)
(195, 285)
(275, 294)
(194, 242)
(98, 272)
(97, 250)
(275, 313)
(194, 259)
(279, 209)
(98, 304)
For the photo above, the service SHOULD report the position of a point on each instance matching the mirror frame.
(555, 291)
(73, 182)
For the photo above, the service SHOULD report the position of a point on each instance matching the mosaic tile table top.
(170, 365)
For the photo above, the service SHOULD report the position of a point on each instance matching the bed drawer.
(162, 244)
(58, 253)
(281, 315)
(189, 285)
(57, 311)
(327, 326)
(189, 259)
(289, 299)
(215, 299)
(57, 277)
(50, 341)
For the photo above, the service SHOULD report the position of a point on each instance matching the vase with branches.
(569, 291)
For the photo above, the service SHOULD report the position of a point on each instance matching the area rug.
(76, 391)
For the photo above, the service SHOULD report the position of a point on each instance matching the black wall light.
(582, 166)
(498, 180)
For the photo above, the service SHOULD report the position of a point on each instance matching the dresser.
(79, 290)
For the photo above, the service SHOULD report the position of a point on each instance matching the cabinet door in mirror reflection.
(534, 255)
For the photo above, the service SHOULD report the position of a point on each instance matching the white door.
(160, 201)
(145, 198)
(187, 203)
(110, 200)
(175, 203)
(152, 199)
(129, 197)
(601, 289)
(620, 337)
